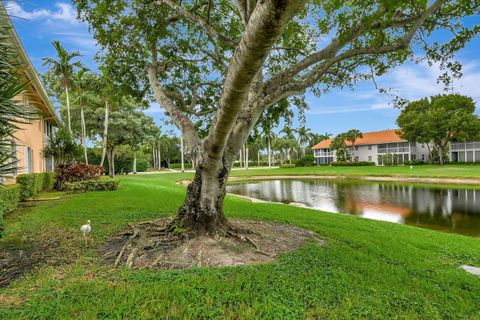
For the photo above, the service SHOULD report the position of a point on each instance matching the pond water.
(453, 209)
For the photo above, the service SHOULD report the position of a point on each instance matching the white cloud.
(64, 12)
(349, 108)
(59, 23)
(418, 81)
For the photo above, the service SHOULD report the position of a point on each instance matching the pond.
(452, 209)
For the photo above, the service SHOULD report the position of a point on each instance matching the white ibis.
(85, 229)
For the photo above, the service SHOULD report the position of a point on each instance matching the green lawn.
(431, 171)
(367, 270)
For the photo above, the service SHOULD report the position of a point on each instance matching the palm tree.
(82, 87)
(338, 144)
(352, 136)
(64, 69)
(305, 137)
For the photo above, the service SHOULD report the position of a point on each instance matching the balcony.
(396, 150)
(324, 154)
(454, 146)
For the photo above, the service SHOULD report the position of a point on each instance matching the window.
(28, 155)
(423, 157)
(414, 157)
(356, 148)
(370, 158)
(370, 147)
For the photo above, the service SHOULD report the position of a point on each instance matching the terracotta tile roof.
(385, 136)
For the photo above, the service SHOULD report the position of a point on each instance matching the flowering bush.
(76, 172)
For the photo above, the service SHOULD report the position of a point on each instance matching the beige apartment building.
(31, 138)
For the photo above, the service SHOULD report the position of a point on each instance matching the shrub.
(33, 183)
(307, 160)
(352, 164)
(142, 165)
(287, 165)
(91, 185)
(9, 199)
(414, 162)
(76, 172)
(179, 165)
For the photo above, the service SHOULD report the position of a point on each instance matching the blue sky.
(40, 22)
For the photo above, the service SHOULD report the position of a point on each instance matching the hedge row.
(287, 165)
(352, 164)
(91, 185)
(33, 183)
(9, 199)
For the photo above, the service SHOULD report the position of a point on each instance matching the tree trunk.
(181, 153)
(69, 121)
(111, 162)
(269, 154)
(246, 157)
(258, 158)
(84, 134)
(159, 157)
(154, 158)
(135, 162)
(105, 133)
(202, 211)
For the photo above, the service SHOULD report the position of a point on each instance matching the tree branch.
(200, 21)
(265, 26)
(285, 84)
(162, 96)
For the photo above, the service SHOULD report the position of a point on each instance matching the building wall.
(370, 153)
(30, 140)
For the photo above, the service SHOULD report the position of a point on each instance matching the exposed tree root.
(162, 244)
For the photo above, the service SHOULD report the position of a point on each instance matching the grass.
(425, 171)
(368, 269)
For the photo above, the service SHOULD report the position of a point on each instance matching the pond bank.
(355, 177)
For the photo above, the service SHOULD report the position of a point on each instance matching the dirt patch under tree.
(146, 245)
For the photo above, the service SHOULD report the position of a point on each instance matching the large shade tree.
(217, 66)
(438, 120)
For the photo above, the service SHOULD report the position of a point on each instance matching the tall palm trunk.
(159, 157)
(84, 133)
(181, 153)
(154, 158)
(269, 154)
(246, 157)
(135, 162)
(111, 162)
(69, 121)
(105, 133)
(258, 158)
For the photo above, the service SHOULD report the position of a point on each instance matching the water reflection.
(455, 210)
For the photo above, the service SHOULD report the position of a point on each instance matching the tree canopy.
(438, 120)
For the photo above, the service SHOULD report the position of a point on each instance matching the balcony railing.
(464, 145)
(396, 150)
(324, 154)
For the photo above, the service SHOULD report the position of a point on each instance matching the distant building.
(31, 137)
(372, 146)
